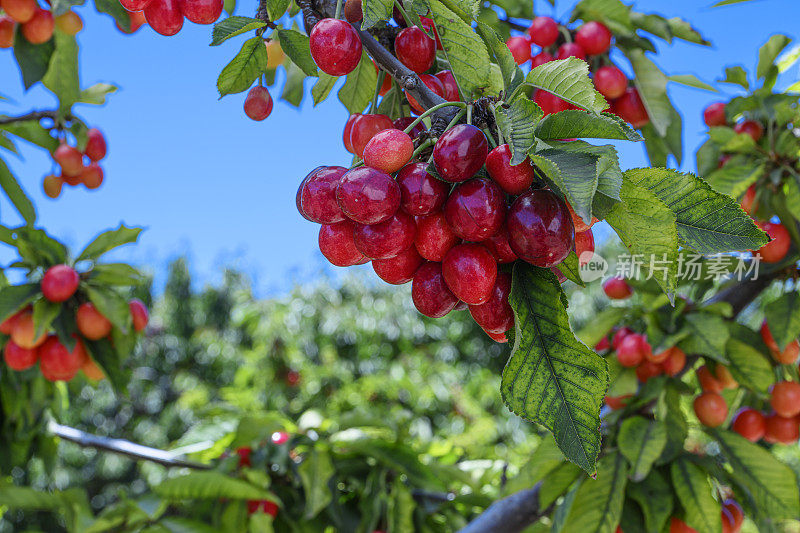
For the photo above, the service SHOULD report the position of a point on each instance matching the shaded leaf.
(748, 366)
(597, 506)
(692, 486)
(783, 317)
(641, 441)
(33, 59)
(357, 91)
(245, 68)
(297, 47)
(315, 472)
(233, 26)
(210, 485)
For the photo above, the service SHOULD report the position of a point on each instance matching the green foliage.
(233, 26)
(568, 79)
(641, 442)
(693, 489)
(244, 69)
(359, 87)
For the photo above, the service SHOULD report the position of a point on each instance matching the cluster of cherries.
(166, 16)
(36, 23)
(278, 438)
(24, 348)
(74, 169)
(731, 514)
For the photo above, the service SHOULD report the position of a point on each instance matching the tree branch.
(742, 294)
(512, 514)
(33, 115)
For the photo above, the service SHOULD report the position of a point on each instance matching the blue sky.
(206, 181)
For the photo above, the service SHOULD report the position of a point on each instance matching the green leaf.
(277, 8)
(33, 132)
(322, 88)
(15, 297)
(512, 74)
(542, 462)
(748, 366)
(233, 26)
(569, 80)
(210, 486)
(44, 312)
(683, 30)
(730, 141)
(574, 123)
(772, 484)
(517, 122)
(641, 441)
(733, 179)
(654, 496)
(572, 173)
(107, 241)
(33, 59)
(28, 499)
(15, 193)
(570, 267)
(96, 94)
(62, 74)
(690, 80)
(293, 87)
(709, 336)
(693, 489)
(102, 352)
(708, 221)
(600, 325)
(315, 471)
(357, 91)
(112, 305)
(400, 509)
(768, 52)
(39, 248)
(375, 11)
(115, 274)
(551, 378)
(736, 76)
(597, 506)
(783, 317)
(613, 13)
(297, 47)
(117, 12)
(244, 69)
(178, 524)
(652, 86)
(557, 482)
(670, 410)
(729, 2)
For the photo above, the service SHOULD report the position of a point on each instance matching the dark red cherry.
(431, 82)
(348, 129)
(427, 25)
(499, 246)
(434, 237)
(714, 115)
(470, 271)
(337, 245)
(513, 179)
(594, 38)
(403, 122)
(164, 16)
(450, 85)
(258, 103)
(367, 195)
(570, 50)
(520, 49)
(543, 31)
(415, 49)
(584, 244)
(630, 108)
(460, 152)
(364, 128)
(400, 268)
(316, 196)
(430, 293)
(540, 59)
(475, 209)
(495, 315)
(202, 11)
(421, 193)
(135, 5)
(549, 102)
(335, 46)
(617, 288)
(386, 239)
(750, 127)
(610, 81)
(540, 228)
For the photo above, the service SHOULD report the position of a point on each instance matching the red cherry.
(316, 196)
(7, 326)
(449, 84)
(57, 363)
(19, 10)
(714, 115)
(421, 193)
(619, 336)
(647, 370)
(367, 195)
(675, 362)
(584, 246)
(769, 340)
(570, 50)
(389, 150)
(540, 229)
(630, 108)
(610, 81)
(59, 283)
(92, 323)
(69, 158)
(460, 152)
(497, 337)
(39, 29)
(708, 381)
(470, 271)
(202, 11)
(139, 314)
(735, 512)
(400, 268)
(135, 5)
(750, 424)
(513, 179)
(403, 122)
(617, 402)
(594, 37)
(499, 246)
(164, 16)
(427, 25)
(495, 315)
(659, 357)
(385, 239)
(775, 250)
(520, 49)
(540, 59)
(549, 102)
(95, 145)
(431, 82)
(415, 49)
(602, 345)
(750, 127)
(23, 331)
(430, 293)
(631, 350)
(475, 209)
(258, 104)
(710, 409)
(679, 526)
(6, 32)
(749, 199)
(780, 429)
(786, 398)
(364, 128)
(18, 358)
(348, 129)
(279, 437)
(244, 455)
(337, 245)
(617, 288)
(543, 31)
(434, 237)
(92, 176)
(335, 46)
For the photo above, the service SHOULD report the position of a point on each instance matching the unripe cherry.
(543, 31)
(139, 314)
(23, 331)
(434, 237)
(19, 358)
(725, 377)
(617, 288)
(385, 239)
(389, 150)
(400, 268)
(520, 49)
(675, 363)
(714, 115)
(367, 195)
(202, 11)
(91, 323)
(540, 229)
(92, 371)
(708, 382)
(495, 315)
(52, 186)
(420, 193)
(610, 81)
(316, 196)
(415, 49)
(59, 283)
(364, 128)
(711, 409)
(20, 11)
(470, 271)
(6, 32)
(337, 245)
(750, 424)
(275, 54)
(460, 152)
(164, 16)
(594, 37)
(475, 209)
(430, 293)
(69, 22)
(335, 46)
(92, 176)
(514, 179)
(258, 103)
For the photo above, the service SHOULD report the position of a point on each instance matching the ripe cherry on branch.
(335, 46)
(59, 283)
(258, 103)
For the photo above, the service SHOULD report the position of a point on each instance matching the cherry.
(610, 81)
(69, 23)
(495, 315)
(647, 370)
(540, 229)
(786, 398)
(751, 128)
(475, 209)
(736, 513)
(139, 314)
(430, 293)
(768, 339)
(470, 271)
(264, 506)
(584, 246)
(714, 115)
(69, 158)
(348, 129)
(708, 382)
(776, 249)
(421, 193)
(580, 225)
(450, 85)
(594, 37)
(543, 31)
(353, 11)
(279, 438)
(258, 103)
(750, 424)
(92, 176)
(292, 378)
(367, 195)
(570, 50)
(96, 147)
(431, 82)
(460, 152)
(602, 345)
(619, 336)
(57, 363)
(520, 49)
(92, 371)
(385, 239)
(335, 46)
(164, 16)
(677, 525)
(389, 150)
(434, 237)
(631, 350)
(497, 337)
(549, 102)
(364, 128)
(415, 49)
(403, 122)
(725, 377)
(617, 402)
(244, 455)
(137, 21)
(19, 10)
(23, 331)
(675, 362)
(91, 323)
(428, 26)
(337, 245)
(18, 358)
(52, 186)
(316, 196)
(135, 5)
(540, 59)
(6, 32)
(659, 357)
(201, 11)
(499, 246)
(710, 409)
(780, 429)
(400, 268)
(7, 325)
(617, 288)
(630, 108)
(513, 179)
(749, 199)
(59, 283)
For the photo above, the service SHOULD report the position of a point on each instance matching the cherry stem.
(490, 137)
(497, 126)
(427, 144)
(456, 119)
(565, 32)
(381, 77)
(338, 8)
(469, 113)
(430, 111)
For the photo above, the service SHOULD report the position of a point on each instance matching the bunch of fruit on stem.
(166, 16)
(36, 24)
(74, 167)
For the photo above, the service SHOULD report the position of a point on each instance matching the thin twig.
(33, 115)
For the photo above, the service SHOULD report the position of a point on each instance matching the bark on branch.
(33, 115)
(509, 515)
